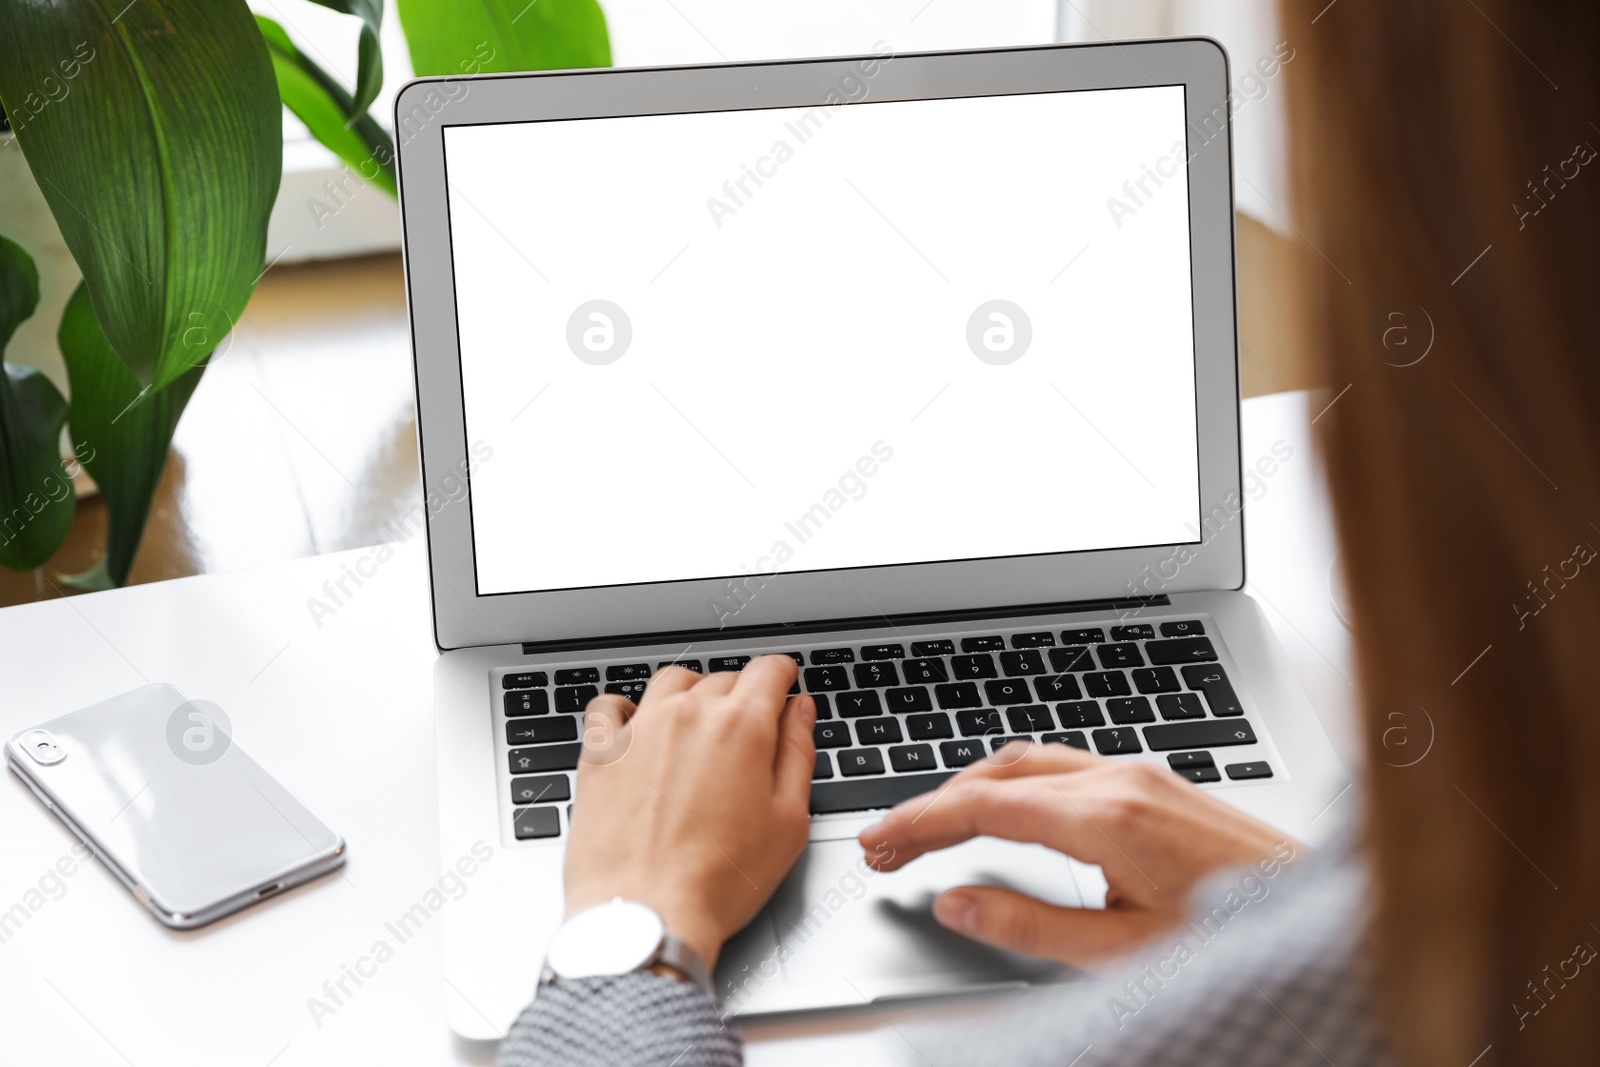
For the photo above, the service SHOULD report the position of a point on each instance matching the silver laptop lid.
(726, 346)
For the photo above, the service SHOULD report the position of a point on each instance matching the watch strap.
(677, 954)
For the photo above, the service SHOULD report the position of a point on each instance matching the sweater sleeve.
(629, 1020)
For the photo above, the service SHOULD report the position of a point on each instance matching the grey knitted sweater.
(1269, 973)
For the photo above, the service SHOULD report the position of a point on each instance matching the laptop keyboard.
(897, 719)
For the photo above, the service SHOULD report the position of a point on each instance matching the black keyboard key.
(1181, 760)
(1201, 775)
(532, 823)
(912, 698)
(578, 676)
(563, 757)
(826, 679)
(525, 680)
(1141, 631)
(1057, 687)
(1185, 628)
(1181, 706)
(1125, 711)
(540, 731)
(1042, 639)
(833, 655)
(1014, 664)
(720, 664)
(1076, 658)
(1108, 684)
(633, 691)
(983, 644)
(686, 664)
(876, 675)
(929, 727)
(1240, 772)
(978, 722)
(824, 711)
(527, 702)
(1214, 684)
(575, 697)
(880, 731)
(823, 768)
(854, 704)
(799, 660)
(871, 652)
(1074, 738)
(1002, 691)
(860, 761)
(1080, 713)
(912, 758)
(996, 744)
(1180, 650)
(979, 666)
(627, 672)
(1206, 733)
(1152, 680)
(544, 789)
(925, 671)
(933, 648)
(833, 734)
(961, 753)
(1117, 741)
(1120, 656)
(1030, 719)
(958, 695)
(872, 793)
(1093, 635)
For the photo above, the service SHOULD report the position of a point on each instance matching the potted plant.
(153, 133)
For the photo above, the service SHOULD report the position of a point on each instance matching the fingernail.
(958, 911)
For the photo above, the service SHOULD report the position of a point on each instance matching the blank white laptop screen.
(780, 340)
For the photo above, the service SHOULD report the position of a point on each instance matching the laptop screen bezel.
(463, 618)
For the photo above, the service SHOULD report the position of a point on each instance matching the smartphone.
(155, 785)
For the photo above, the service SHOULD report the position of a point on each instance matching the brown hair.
(1448, 190)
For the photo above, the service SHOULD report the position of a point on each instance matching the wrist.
(685, 921)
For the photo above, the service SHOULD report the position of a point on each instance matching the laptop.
(921, 369)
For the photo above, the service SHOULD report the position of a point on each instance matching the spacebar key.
(869, 793)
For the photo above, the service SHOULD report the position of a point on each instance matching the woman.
(1442, 162)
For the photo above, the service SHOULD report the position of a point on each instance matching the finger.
(605, 732)
(1036, 810)
(797, 752)
(668, 681)
(1021, 758)
(766, 680)
(1079, 937)
(717, 683)
(616, 708)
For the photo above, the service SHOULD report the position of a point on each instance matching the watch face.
(613, 938)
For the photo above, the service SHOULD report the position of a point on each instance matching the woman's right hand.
(1153, 834)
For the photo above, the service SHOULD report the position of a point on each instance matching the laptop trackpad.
(846, 934)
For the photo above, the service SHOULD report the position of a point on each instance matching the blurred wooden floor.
(301, 438)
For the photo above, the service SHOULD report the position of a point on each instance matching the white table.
(340, 713)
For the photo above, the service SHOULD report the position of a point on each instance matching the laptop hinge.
(860, 622)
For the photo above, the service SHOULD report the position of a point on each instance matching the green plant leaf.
(369, 54)
(478, 36)
(154, 132)
(120, 431)
(324, 106)
(36, 495)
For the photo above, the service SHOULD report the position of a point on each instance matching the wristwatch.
(620, 937)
